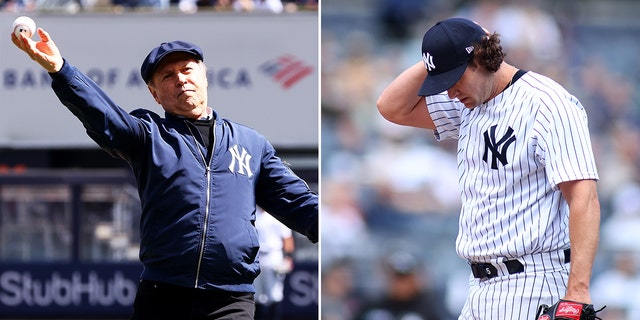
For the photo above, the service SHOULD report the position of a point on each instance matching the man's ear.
(152, 90)
(204, 69)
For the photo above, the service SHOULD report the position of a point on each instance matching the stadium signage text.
(223, 78)
(20, 288)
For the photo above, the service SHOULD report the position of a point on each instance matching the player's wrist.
(577, 297)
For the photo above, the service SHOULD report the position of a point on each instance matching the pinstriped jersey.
(513, 151)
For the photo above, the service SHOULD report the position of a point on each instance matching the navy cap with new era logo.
(154, 57)
(446, 50)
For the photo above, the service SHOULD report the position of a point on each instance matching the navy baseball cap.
(446, 50)
(158, 53)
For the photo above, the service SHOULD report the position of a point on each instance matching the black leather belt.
(488, 270)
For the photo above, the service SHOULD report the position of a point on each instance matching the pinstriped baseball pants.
(517, 296)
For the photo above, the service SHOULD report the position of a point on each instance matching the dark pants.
(156, 300)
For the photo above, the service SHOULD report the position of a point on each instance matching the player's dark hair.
(488, 53)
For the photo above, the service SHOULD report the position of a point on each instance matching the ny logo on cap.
(428, 61)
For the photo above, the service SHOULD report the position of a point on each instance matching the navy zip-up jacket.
(197, 223)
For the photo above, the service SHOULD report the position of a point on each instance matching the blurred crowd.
(183, 6)
(386, 187)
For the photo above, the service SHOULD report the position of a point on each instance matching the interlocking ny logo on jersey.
(241, 158)
(428, 61)
(498, 148)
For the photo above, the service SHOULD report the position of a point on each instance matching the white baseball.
(24, 25)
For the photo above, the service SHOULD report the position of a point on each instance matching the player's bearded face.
(472, 89)
(179, 84)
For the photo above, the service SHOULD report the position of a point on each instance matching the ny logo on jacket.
(241, 158)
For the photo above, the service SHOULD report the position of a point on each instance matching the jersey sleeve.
(445, 114)
(565, 141)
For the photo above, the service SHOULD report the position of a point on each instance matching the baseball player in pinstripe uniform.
(530, 214)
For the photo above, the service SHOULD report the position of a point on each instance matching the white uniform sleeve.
(565, 146)
(445, 114)
(285, 232)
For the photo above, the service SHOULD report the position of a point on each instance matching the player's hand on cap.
(44, 52)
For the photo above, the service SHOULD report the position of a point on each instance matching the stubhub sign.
(69, 290)
(262, 70)
(103, 290)
(20, 288)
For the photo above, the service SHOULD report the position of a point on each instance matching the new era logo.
(286, 70)
(469, 49)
